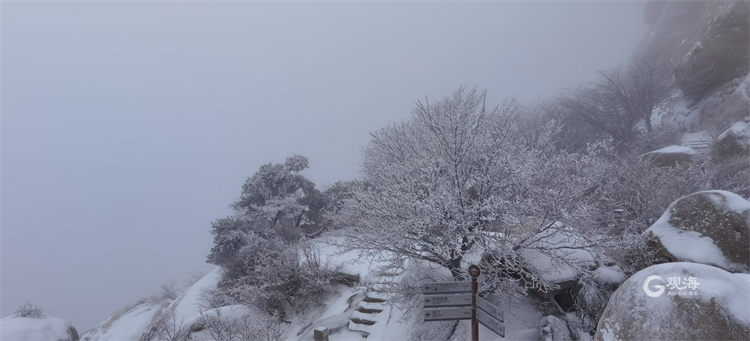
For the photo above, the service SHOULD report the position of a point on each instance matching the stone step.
(373, 299)
(698, 145)
(381, 287)
(366, 317)
(362, 321)
(369, 310)
(371, 306)
(363, 329)
(376, 297)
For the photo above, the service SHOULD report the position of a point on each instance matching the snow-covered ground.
(349, 313)
(126, 326)
(190, 304)
(131, 323)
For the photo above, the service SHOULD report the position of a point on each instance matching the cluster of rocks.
(702, 290)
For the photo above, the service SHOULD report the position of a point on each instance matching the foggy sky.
(127, 128)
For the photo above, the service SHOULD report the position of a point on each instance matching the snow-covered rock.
(552, 328)
(701, 121)
(609, 275)
(734, 141)
(659, 303)
(36, 329)
(709, 227)
(351, 263)
(556, 255)
(669, 156)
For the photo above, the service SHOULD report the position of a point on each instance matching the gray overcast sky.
(127, 128)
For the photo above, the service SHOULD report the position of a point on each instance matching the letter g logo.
(659, 287)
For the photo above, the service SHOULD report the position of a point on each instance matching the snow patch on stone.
(673, 149)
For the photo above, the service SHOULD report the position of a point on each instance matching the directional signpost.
(447, 288)
(490, 316)
(445, 314)
(492, 323)
(490, 309)
(451, 301)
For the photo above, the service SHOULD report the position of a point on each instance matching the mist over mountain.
(298, 171)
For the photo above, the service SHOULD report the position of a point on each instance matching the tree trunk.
(454, 265)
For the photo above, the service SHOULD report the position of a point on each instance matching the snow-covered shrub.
(29, 310)
(165, 326)
(633, 254)
(236, 323)
(732, 175)
(619, 104)
(261, 246)
(167, 292)
(277, 278)
(658, 138)
(632, 194)
(335, 199)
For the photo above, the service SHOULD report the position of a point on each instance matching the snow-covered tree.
(458, 175)
(619, 100)
(259, 246)
(280, 198)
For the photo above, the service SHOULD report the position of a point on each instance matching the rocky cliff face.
(706, 42)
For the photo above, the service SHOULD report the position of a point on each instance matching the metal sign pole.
(474, 272)
(455, 301)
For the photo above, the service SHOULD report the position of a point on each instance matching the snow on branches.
(459, 176)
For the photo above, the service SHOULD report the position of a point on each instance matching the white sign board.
(454, 300)
(447, 288)
(445, 314)
(491, 323)
(489, 308)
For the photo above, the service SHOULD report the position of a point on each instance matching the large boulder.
(678, 301)
(669, 156)
(555, 261)
(720, 54)
(45, 328)
(734, 141)
(709, 227)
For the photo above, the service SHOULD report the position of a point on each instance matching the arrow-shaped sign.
(450, 300)
(447, 288)
(491, 323)
(490, 309)
(443, 314)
